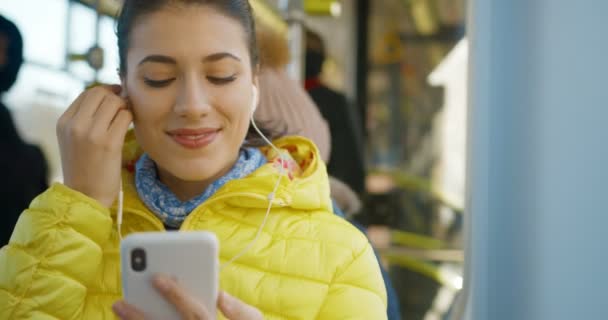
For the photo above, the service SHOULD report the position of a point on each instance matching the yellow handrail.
(414, 183)
(413, 240)
(268, 16)
(426, 269)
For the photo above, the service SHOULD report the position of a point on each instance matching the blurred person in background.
(285, 106)
(23, 166)
(346, 161)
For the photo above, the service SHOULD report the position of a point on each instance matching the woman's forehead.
(186, 32)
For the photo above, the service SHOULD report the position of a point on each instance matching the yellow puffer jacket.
(63, 258)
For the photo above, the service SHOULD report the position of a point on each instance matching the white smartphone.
(190, 257)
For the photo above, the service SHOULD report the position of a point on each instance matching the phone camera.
(138, 259)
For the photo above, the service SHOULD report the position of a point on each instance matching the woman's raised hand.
(91, 134)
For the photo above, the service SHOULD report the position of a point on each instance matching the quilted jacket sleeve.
(54, 252)
(358, 291)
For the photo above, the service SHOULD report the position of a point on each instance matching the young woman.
(189, 73)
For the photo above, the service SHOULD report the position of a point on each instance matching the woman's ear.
(123, 85)
(123, 92)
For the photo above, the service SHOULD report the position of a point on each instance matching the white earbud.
(254, 104)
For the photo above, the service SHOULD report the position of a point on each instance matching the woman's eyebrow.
(158, 58)
(219, 56)
(169, 60)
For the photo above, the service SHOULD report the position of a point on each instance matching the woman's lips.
(194, 138)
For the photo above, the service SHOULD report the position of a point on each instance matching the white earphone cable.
(119, 212)
(270, 198)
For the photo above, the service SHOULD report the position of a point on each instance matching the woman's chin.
(193, 168)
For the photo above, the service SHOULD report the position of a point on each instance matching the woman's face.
(189, 80)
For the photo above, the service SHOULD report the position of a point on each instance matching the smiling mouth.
(194, 138)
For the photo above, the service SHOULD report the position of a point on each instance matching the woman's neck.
(183, 190)
(186, 190)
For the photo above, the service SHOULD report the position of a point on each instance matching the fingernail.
(162, 283)
(223, 303)
(225, 299)
(119, 309)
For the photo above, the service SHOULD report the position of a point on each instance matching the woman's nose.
(192, 101)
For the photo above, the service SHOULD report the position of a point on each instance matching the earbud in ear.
(125, 95)
(254, 103)
(123, 92)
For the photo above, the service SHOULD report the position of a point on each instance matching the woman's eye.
(158, 83)
(221, 80)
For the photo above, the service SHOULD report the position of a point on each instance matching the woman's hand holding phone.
(91, 134)
(231, 307)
